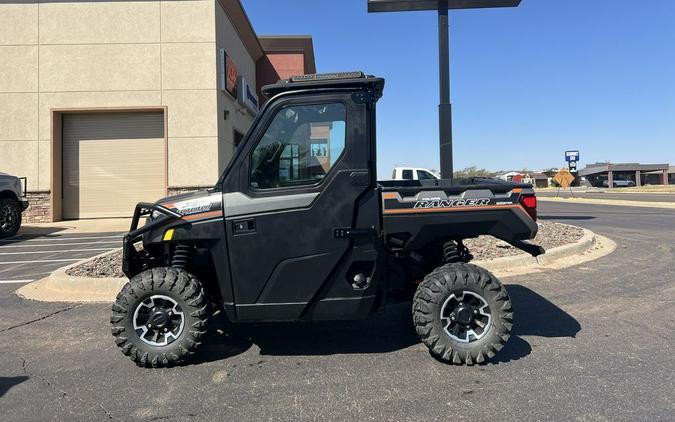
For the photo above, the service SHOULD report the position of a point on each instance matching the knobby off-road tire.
(480, 295)
(10, 217)
(172, 304)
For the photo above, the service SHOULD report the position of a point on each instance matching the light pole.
(444, 107)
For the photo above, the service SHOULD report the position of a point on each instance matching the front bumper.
(132, 260)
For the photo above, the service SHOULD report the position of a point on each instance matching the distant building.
(627, 174)
(538, 180)
(510, 176)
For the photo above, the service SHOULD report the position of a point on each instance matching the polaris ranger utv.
(297, 228)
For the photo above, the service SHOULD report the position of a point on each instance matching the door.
(111, 161)
(304, 177)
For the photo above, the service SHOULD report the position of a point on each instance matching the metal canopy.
(409, 5)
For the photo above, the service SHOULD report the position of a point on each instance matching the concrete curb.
(60, 287)
(582, 245)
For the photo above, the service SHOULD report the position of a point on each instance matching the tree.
(473, 171)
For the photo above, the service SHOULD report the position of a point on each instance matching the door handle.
(244, 226)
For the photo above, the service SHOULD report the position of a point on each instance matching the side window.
(299, 147)
(425, 175)
(407, 175)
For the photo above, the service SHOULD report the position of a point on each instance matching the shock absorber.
(181, 255)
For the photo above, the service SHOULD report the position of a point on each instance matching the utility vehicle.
(413, 173)
(12, 203)
(297, 228)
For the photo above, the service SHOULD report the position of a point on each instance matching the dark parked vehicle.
(298, 229)
(12, 203)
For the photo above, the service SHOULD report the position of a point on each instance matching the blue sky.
(527, 83)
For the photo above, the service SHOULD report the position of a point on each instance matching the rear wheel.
(10, 217)
(462, 313)
(160, 317)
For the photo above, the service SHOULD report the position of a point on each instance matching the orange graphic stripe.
(203, 215)
(439, 209)
(389, 195)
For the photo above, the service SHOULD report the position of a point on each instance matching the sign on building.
(247, 96)
(228, 73)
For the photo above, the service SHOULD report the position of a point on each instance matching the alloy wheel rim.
(465, 316)
(159, 320)
(7, 218)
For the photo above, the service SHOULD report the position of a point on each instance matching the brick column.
(638, 181)
(610, 179)
(665, 177)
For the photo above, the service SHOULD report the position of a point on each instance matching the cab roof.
(356, 79)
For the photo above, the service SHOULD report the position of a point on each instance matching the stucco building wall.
(57, 57)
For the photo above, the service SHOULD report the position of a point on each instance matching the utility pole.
(444, 107)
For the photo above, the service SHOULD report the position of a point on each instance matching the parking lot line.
(60, 251)
(58, 238)
(14, 281)
(40, 261)
(49, 245)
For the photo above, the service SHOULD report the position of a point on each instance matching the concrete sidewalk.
(94, 225)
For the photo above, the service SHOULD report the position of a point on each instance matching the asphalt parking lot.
(28, 257)
(590, 343)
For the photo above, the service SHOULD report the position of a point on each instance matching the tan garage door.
(111, 161)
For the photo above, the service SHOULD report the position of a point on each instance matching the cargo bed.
(415, 212)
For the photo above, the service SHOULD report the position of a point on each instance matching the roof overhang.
(627, 167)
(411, 5)
(235, 12)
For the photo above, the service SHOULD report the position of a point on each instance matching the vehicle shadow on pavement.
(388, 331)
(31, 233)
(8, 382)
(534, 315)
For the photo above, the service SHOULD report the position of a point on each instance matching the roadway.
(591, 342)
(627, 196)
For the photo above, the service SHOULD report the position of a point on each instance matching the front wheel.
(10, 217)
(462, 313)
(159, 317)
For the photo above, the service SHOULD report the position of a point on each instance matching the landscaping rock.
(550, 235)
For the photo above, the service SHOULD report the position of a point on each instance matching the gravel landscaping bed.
(105, 266)
(484, 247)
(550, 235)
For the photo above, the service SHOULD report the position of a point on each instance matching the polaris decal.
(198, 206)
(452, 203)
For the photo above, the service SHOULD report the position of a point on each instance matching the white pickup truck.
(12, 203)
(413, 173)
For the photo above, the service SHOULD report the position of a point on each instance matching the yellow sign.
(564, 178)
